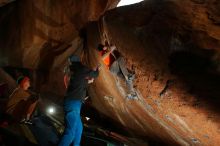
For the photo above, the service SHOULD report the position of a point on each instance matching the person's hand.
(105, 48)
(112, 48)
(91, 80)
(99, 67)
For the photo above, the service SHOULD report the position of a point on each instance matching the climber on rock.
(116, 64)
(80, 77)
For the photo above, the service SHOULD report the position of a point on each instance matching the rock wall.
(39, 35)
(171, 45)
(33, 28)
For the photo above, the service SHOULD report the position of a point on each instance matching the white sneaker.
(25, 121)
(29, 122)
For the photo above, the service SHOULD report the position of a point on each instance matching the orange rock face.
(171, 46)
(39, 35)
(33, 28)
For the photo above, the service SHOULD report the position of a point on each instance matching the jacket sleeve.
(93, 74)
(83, 71)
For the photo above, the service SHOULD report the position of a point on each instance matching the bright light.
(87, 118)
(51, 110)
(127, 2)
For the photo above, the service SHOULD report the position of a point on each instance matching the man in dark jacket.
(81, 76)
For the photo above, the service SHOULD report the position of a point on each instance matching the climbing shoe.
(131, 77)
(132, 96)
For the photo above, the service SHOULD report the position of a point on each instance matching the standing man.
(80, 77)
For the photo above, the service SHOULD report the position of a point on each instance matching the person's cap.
(22, 79)
(74, 58)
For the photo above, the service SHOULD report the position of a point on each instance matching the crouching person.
(22, 102)
(80, 77)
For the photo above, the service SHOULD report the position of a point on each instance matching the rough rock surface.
(171, 45)
(39, 35)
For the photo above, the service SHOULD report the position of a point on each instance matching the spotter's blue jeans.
(73, 124)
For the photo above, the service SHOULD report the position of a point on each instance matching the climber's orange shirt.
(108, 60)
